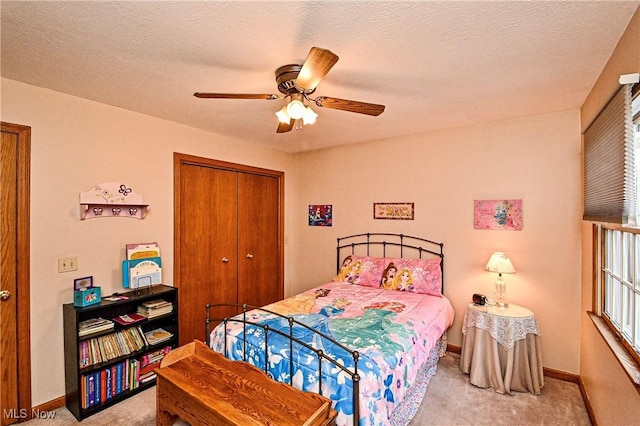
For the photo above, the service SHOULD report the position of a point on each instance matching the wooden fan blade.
(234, 96)
(352, 106)
(315, 67)
(284, 127)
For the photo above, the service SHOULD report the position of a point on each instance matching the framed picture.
(401, 211)
(320, 214)
(503, 215)
(83, 283)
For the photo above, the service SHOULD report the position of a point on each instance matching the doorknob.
(5, 294)
(249, 256)
(225, 260)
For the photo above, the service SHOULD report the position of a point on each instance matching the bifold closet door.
(259, 260)
(208, 247)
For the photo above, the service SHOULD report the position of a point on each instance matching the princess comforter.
(394, 332)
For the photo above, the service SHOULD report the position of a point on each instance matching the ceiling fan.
(298, 82)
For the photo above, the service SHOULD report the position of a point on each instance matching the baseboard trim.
(455, 349)
(561, 375)
(54, 404)
(587, 402)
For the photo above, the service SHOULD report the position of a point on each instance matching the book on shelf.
(111, 346)
(155, 308)
(129, 319)
(94, 325)
(149, 368)
(144, 378)
(154, 357)
(158, 335)
(142, 250)
(98, 387)
(141, 272)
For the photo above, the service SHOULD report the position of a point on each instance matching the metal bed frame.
(367, 244)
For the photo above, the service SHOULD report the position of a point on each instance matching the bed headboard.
(389, 245)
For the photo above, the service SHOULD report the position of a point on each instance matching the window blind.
(609, 163)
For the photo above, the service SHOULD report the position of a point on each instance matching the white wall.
(536, 159)
(75, 144)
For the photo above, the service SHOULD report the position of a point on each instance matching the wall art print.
(403, 211)
(503, 215)
(320, 214)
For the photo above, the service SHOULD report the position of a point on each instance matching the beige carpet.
(450, 400)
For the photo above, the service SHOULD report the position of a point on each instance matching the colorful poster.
(504, 215)
(320, 214)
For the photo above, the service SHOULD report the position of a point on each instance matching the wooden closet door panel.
(259, 280)
(208, 204)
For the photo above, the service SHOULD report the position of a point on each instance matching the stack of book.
(156, 336)
(151, 361)
(94, 325)
(128, 319)
(155, 308)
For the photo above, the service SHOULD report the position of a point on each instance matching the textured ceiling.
(433, 64)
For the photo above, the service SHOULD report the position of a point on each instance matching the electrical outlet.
(67, 264)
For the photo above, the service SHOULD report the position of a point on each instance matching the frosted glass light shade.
(295, 109)
(309, 116)
(282, 115)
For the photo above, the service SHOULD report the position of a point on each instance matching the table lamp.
(499, 262)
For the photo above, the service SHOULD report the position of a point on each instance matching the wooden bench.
(202, 387)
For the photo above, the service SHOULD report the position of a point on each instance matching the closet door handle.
(249, 256)
(225, 260)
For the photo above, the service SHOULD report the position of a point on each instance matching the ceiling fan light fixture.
(296, 82)
(309, 116)
(282, 115)
(295, 109)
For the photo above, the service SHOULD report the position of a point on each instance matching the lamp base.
(501, 289)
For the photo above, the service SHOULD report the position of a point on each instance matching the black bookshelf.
(73, 316)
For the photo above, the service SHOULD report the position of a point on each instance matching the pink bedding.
(394, 332)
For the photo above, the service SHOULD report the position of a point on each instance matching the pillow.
(414, 275)
(361, 270)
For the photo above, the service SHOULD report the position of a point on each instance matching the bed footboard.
(288, 334)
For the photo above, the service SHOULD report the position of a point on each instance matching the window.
(620, 285)
(612, 171)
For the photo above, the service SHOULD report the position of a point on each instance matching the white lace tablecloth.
(501, 349)
(505, 325)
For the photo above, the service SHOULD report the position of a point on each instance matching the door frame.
(23, 344)
(178, 160)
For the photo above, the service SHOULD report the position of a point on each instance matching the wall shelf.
(112, 199)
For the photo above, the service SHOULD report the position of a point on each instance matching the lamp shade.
(295, 108)
(283, 117)
(309, 116)
(499, 262)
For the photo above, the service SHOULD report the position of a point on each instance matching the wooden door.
(258, 239)
(15, 360)
(210, 253)
(208, 245)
